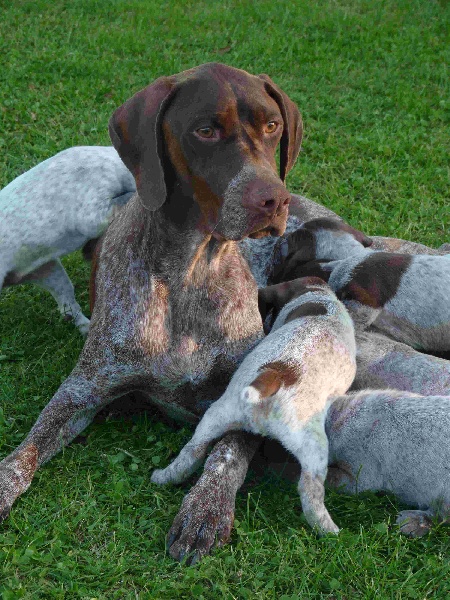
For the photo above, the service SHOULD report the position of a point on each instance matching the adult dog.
(176, 306)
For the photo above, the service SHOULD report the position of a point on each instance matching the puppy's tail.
(269, 380)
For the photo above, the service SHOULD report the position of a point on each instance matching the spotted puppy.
(282, 386)
(397, 442)
(59, 206)
(404, 296)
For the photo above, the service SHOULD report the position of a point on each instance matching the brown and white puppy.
(282, 387)
(393, 441)
(404, 296)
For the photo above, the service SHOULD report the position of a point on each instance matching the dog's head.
(211, 134)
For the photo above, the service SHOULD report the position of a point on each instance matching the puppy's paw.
(205, 521)
(83, 326)
(160, 476)
(414, 523)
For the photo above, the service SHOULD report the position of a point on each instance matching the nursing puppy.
(282, 387)
(62, 204)
(383, 363)
(404, 296)
(397, 442)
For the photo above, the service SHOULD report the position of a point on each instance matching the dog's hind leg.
(57, 282)
(309, 444)
(218, 419)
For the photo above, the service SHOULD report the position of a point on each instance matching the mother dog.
(176, 306)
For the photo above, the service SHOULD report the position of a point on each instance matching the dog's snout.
(268, 202)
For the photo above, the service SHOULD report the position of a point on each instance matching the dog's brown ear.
(136, 133)
(293, 126)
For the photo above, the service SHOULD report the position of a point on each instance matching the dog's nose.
(266, 200)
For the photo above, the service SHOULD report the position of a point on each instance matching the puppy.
(59, 206)
(397, 442)
(282, 386)
(404, 296)
(383, 363)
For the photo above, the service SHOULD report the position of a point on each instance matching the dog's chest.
(191, 334)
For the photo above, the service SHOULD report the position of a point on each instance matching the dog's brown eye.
(205, 132)
(271, 126)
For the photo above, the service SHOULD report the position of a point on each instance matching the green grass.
(370, 77)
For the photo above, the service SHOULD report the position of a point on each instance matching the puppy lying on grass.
(282, 387)
(397, 442)
(406, 297)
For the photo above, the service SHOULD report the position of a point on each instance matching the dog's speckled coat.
(282, 387)
(404, 296)
(176, 306)
(397, 442)
(55, 208)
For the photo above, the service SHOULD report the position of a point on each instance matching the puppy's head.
(273, 298)
(321, 239)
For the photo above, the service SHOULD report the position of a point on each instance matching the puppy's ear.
(315, 268)
(291, 138)
(136, 133)
(360, 236)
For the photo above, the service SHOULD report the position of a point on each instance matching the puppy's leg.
(206, 516)
(312, 454)
(415, 523)
(70, 410)
(218, 419)
(57, 282)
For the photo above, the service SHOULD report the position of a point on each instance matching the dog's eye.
(205, 132)
(271, 127)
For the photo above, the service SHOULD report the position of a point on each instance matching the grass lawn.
(371, 79)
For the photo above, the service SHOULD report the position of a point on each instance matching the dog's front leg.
(70, 411)
(207, 513)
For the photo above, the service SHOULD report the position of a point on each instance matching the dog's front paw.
(414, 523)
(205, 520)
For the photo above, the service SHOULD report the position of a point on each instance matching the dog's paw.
(205, 520)
(160, 476)
(83, 326)
(414, 523)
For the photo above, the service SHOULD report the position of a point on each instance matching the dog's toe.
(414, 523)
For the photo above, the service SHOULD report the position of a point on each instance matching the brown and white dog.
(282, 387)
(176, 306)
(404, 296)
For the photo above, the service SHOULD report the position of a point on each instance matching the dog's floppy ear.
(293, 126)
(136, 133)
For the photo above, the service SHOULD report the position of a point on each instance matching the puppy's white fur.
(313, 357)
(55, 208)
(393, 441)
